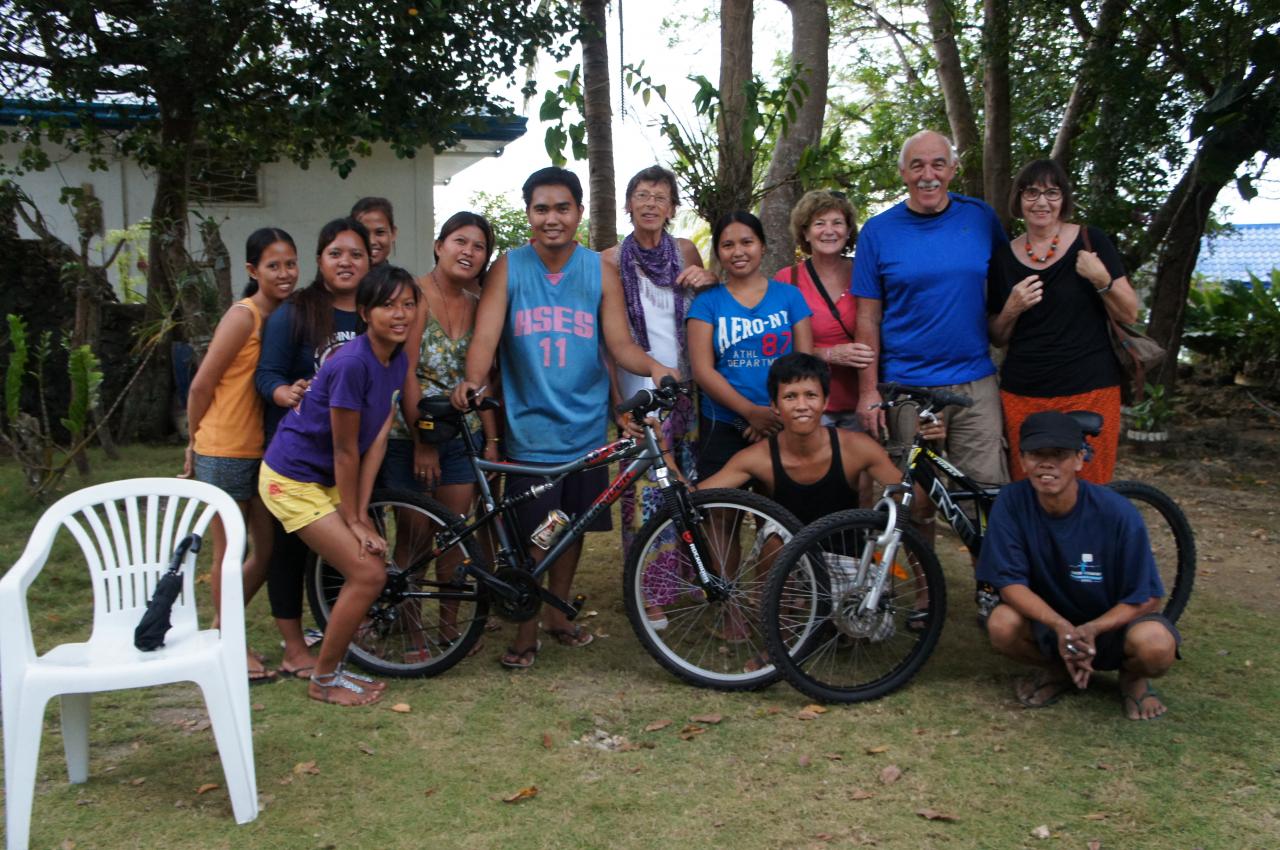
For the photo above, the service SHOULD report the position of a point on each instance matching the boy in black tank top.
(809, 469)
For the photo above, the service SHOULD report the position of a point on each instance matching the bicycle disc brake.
(524, 603)
(846, 599)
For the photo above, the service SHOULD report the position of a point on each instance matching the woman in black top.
(1051, 295)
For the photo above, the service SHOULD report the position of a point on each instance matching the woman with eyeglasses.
(1052, 296)
(660, 274)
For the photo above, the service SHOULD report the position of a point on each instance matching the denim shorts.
(397, 465)
(238, 476)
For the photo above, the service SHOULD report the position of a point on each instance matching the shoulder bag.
(1137, 352)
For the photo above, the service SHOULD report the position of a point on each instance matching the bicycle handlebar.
(664, 398)
(935, 399)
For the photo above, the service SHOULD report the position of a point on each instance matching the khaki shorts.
(975, 435)
(296, 504)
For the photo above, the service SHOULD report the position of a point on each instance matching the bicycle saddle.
(1089, 422)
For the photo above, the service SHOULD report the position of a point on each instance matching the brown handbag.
(1137, 352)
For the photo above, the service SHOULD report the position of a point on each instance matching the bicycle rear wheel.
(816, 635)
(713, 644)
(1173, 543)
(404, 634)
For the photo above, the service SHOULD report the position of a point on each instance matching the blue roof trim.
(1246, 249)
(121, 116)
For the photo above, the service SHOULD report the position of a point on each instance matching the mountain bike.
(710, 549)
(855, 603)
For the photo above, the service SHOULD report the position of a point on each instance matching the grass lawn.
(1205, 776)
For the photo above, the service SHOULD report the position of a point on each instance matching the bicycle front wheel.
(710, 643)
(1173, 544)
(819, 637)
(427, 618)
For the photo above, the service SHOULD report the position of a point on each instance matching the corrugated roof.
(1246, 249)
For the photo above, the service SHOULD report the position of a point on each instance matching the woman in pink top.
(823, 225)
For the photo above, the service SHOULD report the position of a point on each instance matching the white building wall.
(300, 201)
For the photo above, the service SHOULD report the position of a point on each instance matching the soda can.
(545, 534)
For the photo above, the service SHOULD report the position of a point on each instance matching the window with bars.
(218, 177)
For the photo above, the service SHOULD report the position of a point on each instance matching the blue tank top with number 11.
(554, 380)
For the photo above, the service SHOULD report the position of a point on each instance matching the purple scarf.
(660, 265)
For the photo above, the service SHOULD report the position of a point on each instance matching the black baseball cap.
(1050, 430)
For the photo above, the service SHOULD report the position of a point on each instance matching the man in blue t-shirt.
(1079, 589)
(549, 309)
(920, 277)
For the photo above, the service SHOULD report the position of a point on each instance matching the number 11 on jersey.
(561, 345)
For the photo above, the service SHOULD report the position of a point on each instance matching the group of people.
(328, 378)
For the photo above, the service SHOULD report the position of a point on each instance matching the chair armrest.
(15, 622)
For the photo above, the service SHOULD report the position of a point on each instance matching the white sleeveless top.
(659, 307)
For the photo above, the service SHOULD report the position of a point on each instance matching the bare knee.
(1007, 629)
(1149, 648)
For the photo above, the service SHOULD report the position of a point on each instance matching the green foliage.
(1154, 411)
(16, 368)
(86, 379)
(1236, 324)
(509, 222)
(558, 102)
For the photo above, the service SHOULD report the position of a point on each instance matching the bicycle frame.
(922, 467)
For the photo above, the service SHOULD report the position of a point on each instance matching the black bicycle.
(704, 557)
(858, 599)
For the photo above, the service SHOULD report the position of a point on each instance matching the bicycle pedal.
(578, 602)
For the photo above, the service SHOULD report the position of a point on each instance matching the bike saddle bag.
(438, 420)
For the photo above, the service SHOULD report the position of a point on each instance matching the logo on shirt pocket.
(1086, 572)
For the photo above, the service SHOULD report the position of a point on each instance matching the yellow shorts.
(296, 504)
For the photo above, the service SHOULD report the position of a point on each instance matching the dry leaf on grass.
(401, 708)
(527, 793)
(815, 708)
(806, 715)
(206, 788)
(689, 732)
(547, 743)
(656, 725)
(1095, 844)
(890, 774)
(934, 814)
(834, 757)
(824, 836)
(365, 748)
(305, 767)
(138, 780)
(257, 706)
(804, 761)
(429, 792)
(876, 750)
(1096, 816)
(860, 794)
(1104, 766)
(1041, 832)
(711, 719)
(773, 709)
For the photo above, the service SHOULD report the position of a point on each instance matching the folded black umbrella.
(155, 622)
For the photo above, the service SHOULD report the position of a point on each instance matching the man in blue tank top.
(920, 276)
(1079, 590)
(545, 309)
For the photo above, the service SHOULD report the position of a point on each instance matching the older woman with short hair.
(824, 226)
(1052, 295)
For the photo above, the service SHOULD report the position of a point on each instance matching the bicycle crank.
(524, 599)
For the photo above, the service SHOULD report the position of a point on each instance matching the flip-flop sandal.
(574, 638)
(520, 659)
(303, 673)
(918, 621)
(263, 677)
(1149, 693)
(1059, 689)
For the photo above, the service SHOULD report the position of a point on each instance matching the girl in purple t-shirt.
(318, 474)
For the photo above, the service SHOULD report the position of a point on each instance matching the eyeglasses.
(1033, 193)
(644, 197)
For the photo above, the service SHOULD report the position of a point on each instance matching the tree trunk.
(964, 129)
(810, 32)
(148, 410)
(996, 146)
(599, 120)
(736, 156)
(1084, 95)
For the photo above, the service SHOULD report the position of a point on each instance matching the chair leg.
(228, 707)
(75, 736)
(23, 725)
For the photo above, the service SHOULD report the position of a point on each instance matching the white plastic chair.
(127, 531)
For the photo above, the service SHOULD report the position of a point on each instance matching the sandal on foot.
(520, 659)
(367, 682)
(574, 638)
(1056, 689)
(1148, 693)
(918, 621)
(333, 684)
(263, 676)
(298, 672)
